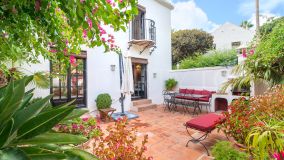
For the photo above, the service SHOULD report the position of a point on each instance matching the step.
(143, 107)
(141, 101)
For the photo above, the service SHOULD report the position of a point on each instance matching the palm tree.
(257, 17)
(246, 25)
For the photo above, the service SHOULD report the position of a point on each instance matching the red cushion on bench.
(183, 91)
(205, 123)
(189, 91)
(204, 99)
(198, 92)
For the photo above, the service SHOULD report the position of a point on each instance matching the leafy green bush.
(170, 84)
(103, 101)
(224, 150)
(26, 128)
(268, 61)
(214, 58)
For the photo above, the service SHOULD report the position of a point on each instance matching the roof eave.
(166, 4)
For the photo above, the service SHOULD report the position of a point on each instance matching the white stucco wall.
(209, 78)
(100, 78)
(228, 33)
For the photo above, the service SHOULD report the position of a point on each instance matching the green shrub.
(170, 84)
(224, 150)
(26, 128)
(103, 101)
(214, 58)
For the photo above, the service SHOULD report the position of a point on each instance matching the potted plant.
(103, 101)
(170, 84)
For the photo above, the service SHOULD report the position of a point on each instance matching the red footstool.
(204, 123)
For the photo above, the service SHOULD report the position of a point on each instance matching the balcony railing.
(142, 29)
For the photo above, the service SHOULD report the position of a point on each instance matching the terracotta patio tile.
(168, 137)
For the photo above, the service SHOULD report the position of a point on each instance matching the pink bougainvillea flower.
(65, 50)
(251, 51)
(74, 126)
(85, 119)
(244, 50)
(109, 1)
(244, 55)
(72, 60)
(277, 155)
(103, 39)
(90, 23)
(53, 50)
(120, 1)
(85, 33)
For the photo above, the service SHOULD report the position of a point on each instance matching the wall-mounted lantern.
(112, 67)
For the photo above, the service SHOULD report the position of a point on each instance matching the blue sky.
(209, 14)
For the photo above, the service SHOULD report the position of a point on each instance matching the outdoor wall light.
(112, 67)
(154, 75)
(224, 73)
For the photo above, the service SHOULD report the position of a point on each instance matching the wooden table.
(106, 113)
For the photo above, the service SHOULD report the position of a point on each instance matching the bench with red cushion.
(185, 94)
(204, 123)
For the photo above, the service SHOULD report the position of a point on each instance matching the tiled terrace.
(168, 136)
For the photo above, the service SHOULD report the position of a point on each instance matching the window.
(69, 86)
(236, 44)
(138, 24)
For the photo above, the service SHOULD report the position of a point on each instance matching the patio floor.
(168, 136)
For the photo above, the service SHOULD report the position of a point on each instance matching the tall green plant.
(25, 128)
(266, 139)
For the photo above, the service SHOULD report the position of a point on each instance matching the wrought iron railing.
(142, 29)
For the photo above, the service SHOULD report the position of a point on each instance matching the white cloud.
(263, 18)
(187, 15)
(247, 8)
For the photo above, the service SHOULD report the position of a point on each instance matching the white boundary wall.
(209, 78)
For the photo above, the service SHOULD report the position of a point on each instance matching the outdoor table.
(195, 99)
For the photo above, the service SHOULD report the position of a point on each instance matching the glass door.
(140, 81)
(69, 86)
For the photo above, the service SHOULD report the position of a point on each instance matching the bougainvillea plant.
(86, 127)
(119, 143)
(56, 28)
(239, 120)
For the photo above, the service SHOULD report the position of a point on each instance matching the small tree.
(188, 42)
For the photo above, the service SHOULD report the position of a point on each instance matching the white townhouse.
(147, 40)
(229, 36)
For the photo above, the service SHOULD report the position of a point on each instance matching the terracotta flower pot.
(237, 144)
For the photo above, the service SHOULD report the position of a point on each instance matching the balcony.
(142, 32)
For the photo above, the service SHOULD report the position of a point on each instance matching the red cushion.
(183, 91)
(204, 99)
(179, 97)
(189, 91)
(197, 92)
(205, 92)
(205, 123)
